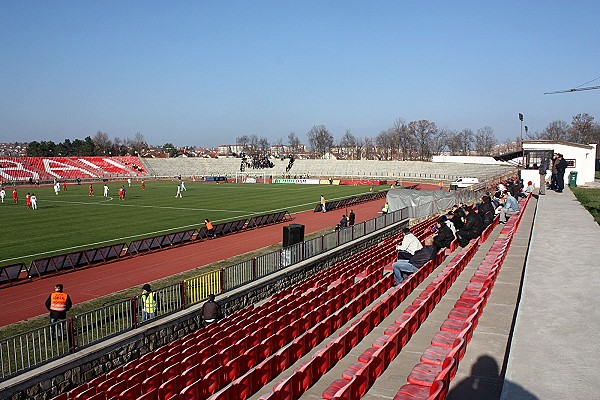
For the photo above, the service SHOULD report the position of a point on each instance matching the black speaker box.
(292, 234)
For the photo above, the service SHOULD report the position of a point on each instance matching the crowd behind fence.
(31, 349)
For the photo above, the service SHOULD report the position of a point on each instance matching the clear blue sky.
(204, 72)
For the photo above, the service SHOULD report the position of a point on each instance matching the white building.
(580, 158)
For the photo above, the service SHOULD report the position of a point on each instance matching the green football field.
(73, 221)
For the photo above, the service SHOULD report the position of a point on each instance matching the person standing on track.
(58, 303)
(351, 218)
(323, 204)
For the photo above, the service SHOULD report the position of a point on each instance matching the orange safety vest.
(209, 226)
(58, 301)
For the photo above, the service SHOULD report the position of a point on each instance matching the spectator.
(210, 310)
(149, 303)
(472, 228)
(530, 188)
(554, 176)
(351, 218)
(486, 210)
(455, 216)
(403, 268)
(511, 206)
(443, 236)
(561, 167)
(58, 303)
(410, 244)
(344, 221)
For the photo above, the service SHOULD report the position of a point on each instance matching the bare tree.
(485, 141)
(454, 142)
(138, 142)
(348, 144)
(242, 142)
(102, 143)
(466, 138)
(403, 140)
(263, 144)
(254, 143)
(369, 148)
(384, 143)
(423, 130)
(439, 141)
(556, 130)
(320, 140)
(360, 145)
(294, 142)
(582, 128)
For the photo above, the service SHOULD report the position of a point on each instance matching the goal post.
(251, 177)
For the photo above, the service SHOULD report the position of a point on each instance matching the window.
(533, 158)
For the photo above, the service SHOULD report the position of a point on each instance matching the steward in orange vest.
(58, 303)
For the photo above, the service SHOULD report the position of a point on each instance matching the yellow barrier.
(199, 287)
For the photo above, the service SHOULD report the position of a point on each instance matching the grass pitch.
(73, 220)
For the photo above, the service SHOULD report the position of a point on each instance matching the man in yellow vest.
(58, 303)
(149, 303)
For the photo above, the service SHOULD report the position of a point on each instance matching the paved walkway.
(555, 350)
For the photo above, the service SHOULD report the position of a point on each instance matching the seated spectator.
(486, 210)
(450, 225)
(403, 268)
(510, 207)
(472, 228)
(443, 234)
(455, 216)
(410, 244)
(210, 310)
(529, 189)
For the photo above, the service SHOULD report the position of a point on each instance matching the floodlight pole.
(522, 151)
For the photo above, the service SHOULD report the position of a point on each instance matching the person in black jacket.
(486, 211)
(443, 236)
(561, 166)
(472, 228)
(456, 218)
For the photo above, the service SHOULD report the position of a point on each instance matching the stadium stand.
(324, 168)
(69, 168)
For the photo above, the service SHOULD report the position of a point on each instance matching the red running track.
(26, 300)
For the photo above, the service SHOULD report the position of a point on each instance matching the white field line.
(147, 234)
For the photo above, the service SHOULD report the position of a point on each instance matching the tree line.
(414, 140)
(98, 145)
